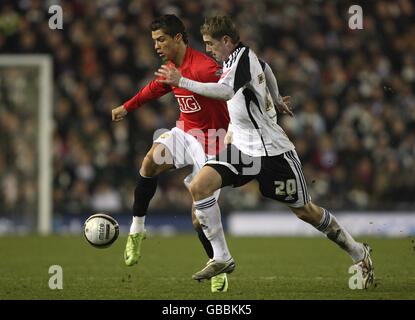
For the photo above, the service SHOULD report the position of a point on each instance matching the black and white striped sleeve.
(238, 72)
(243, 71)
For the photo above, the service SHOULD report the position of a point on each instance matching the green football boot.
(133, 248)
(219, 283)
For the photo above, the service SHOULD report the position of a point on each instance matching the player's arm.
(172, 76)
(212, 90)
(280, 102)
(151, 91)
(271, 83)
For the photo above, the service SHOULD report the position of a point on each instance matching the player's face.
(165, 45)
(216, 48)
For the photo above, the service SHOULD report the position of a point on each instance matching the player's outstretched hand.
(169, 75)
(119, 113)
(283, 106)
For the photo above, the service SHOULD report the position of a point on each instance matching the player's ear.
(226, 39)
(178, 37)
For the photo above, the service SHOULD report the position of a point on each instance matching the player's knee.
(304, 213)
(309, 213)
(200, 190)
(149, 168)
(195, 189)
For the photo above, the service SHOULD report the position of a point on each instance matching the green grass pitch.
(267, 268)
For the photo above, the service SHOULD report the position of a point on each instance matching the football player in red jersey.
(203, 121)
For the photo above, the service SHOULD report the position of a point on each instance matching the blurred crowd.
(352, 93)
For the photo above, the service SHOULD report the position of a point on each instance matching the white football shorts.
(186, 151)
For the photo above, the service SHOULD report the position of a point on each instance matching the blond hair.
(220, 26)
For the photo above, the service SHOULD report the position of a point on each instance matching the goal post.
(43, 150)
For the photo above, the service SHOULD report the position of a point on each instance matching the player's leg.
(226, 170)
(219, 283)
(146, 184)
(282, 179)
(202, 188)
(202, 237)
(196, 155)
(319, 217)
(324, 221)
(145, 189)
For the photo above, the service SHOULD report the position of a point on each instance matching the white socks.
(137, 225)
(208, 213)
(335, 232)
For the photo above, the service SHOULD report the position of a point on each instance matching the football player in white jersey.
(260, 150)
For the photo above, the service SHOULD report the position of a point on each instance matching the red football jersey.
(196, 111)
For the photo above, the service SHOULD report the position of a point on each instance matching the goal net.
(26, 89)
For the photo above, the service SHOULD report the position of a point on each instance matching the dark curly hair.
(171, 25)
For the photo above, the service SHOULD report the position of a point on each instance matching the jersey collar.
(234, 53)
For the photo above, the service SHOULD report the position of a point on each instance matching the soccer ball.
(101, 230)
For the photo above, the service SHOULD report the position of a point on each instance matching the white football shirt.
(254, 132)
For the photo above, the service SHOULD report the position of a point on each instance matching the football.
(101, 230)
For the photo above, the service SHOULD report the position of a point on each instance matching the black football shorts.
(280, 177)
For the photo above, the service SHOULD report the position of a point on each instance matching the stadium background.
(352, 94)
